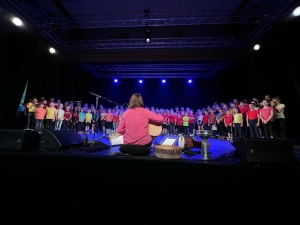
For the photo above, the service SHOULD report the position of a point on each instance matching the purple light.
(140, 81)
(190, 81)
(164, 81)
(115, 80)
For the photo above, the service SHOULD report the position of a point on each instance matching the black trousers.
(280, 127)
(221, 128)
(30, 120)
(268, 129)
(49, 124)
(238, 130)
(136, 149)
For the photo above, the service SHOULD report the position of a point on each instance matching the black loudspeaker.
(19, 140)
(60, 139)
(278, 152)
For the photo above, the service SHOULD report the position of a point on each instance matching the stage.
(103, 181)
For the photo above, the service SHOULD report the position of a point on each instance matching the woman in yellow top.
(185, 123)
(237, 123)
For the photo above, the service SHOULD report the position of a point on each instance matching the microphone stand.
(94, 131)
(97, 99)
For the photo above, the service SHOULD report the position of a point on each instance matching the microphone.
(95, 94)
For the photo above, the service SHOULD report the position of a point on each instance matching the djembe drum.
(167, 152)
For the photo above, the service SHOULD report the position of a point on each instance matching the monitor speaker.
(60, 139)
(266, 151)
(19, 140)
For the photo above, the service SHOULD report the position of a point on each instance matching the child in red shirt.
(228, 119)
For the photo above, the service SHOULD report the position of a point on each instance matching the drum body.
(167, 152)
(205, 133)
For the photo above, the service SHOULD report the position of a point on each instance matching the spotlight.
(52, 50)
(148, 34)
(190, 81)
(296, 11)
(140, 81)
(17, 21)
(256, 47)
(163, 80)
(115, 80)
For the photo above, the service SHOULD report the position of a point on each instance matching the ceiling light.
(296, 11)
(148, 34)
(52, 50)
(17, 21)
(256, 47)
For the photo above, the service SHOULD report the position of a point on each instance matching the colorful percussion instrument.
(167, 152)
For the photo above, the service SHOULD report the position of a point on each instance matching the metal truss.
(47, 26)
(202, 70)
(263, 28)
(156, 67)
(155, 43)
(155, 19)
(157, 76)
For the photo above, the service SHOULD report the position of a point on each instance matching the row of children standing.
(239, 120)
(43, 117)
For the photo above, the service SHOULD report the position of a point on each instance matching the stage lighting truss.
(48, 26)
(165, 71)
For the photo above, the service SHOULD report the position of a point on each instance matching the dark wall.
(175, 92)
(273, 70)
(16, 54)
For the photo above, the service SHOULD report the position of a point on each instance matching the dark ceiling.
(189, 38)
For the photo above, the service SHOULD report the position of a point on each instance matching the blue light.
(164, 81)
(115, 80)
(190, 81)
(140, 81)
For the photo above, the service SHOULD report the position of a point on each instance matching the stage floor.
(92, 179)
(221, 151)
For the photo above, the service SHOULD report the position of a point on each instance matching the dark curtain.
(15, 63)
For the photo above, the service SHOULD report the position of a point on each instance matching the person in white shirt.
(59, 117)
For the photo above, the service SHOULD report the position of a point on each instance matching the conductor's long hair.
(136, 101)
